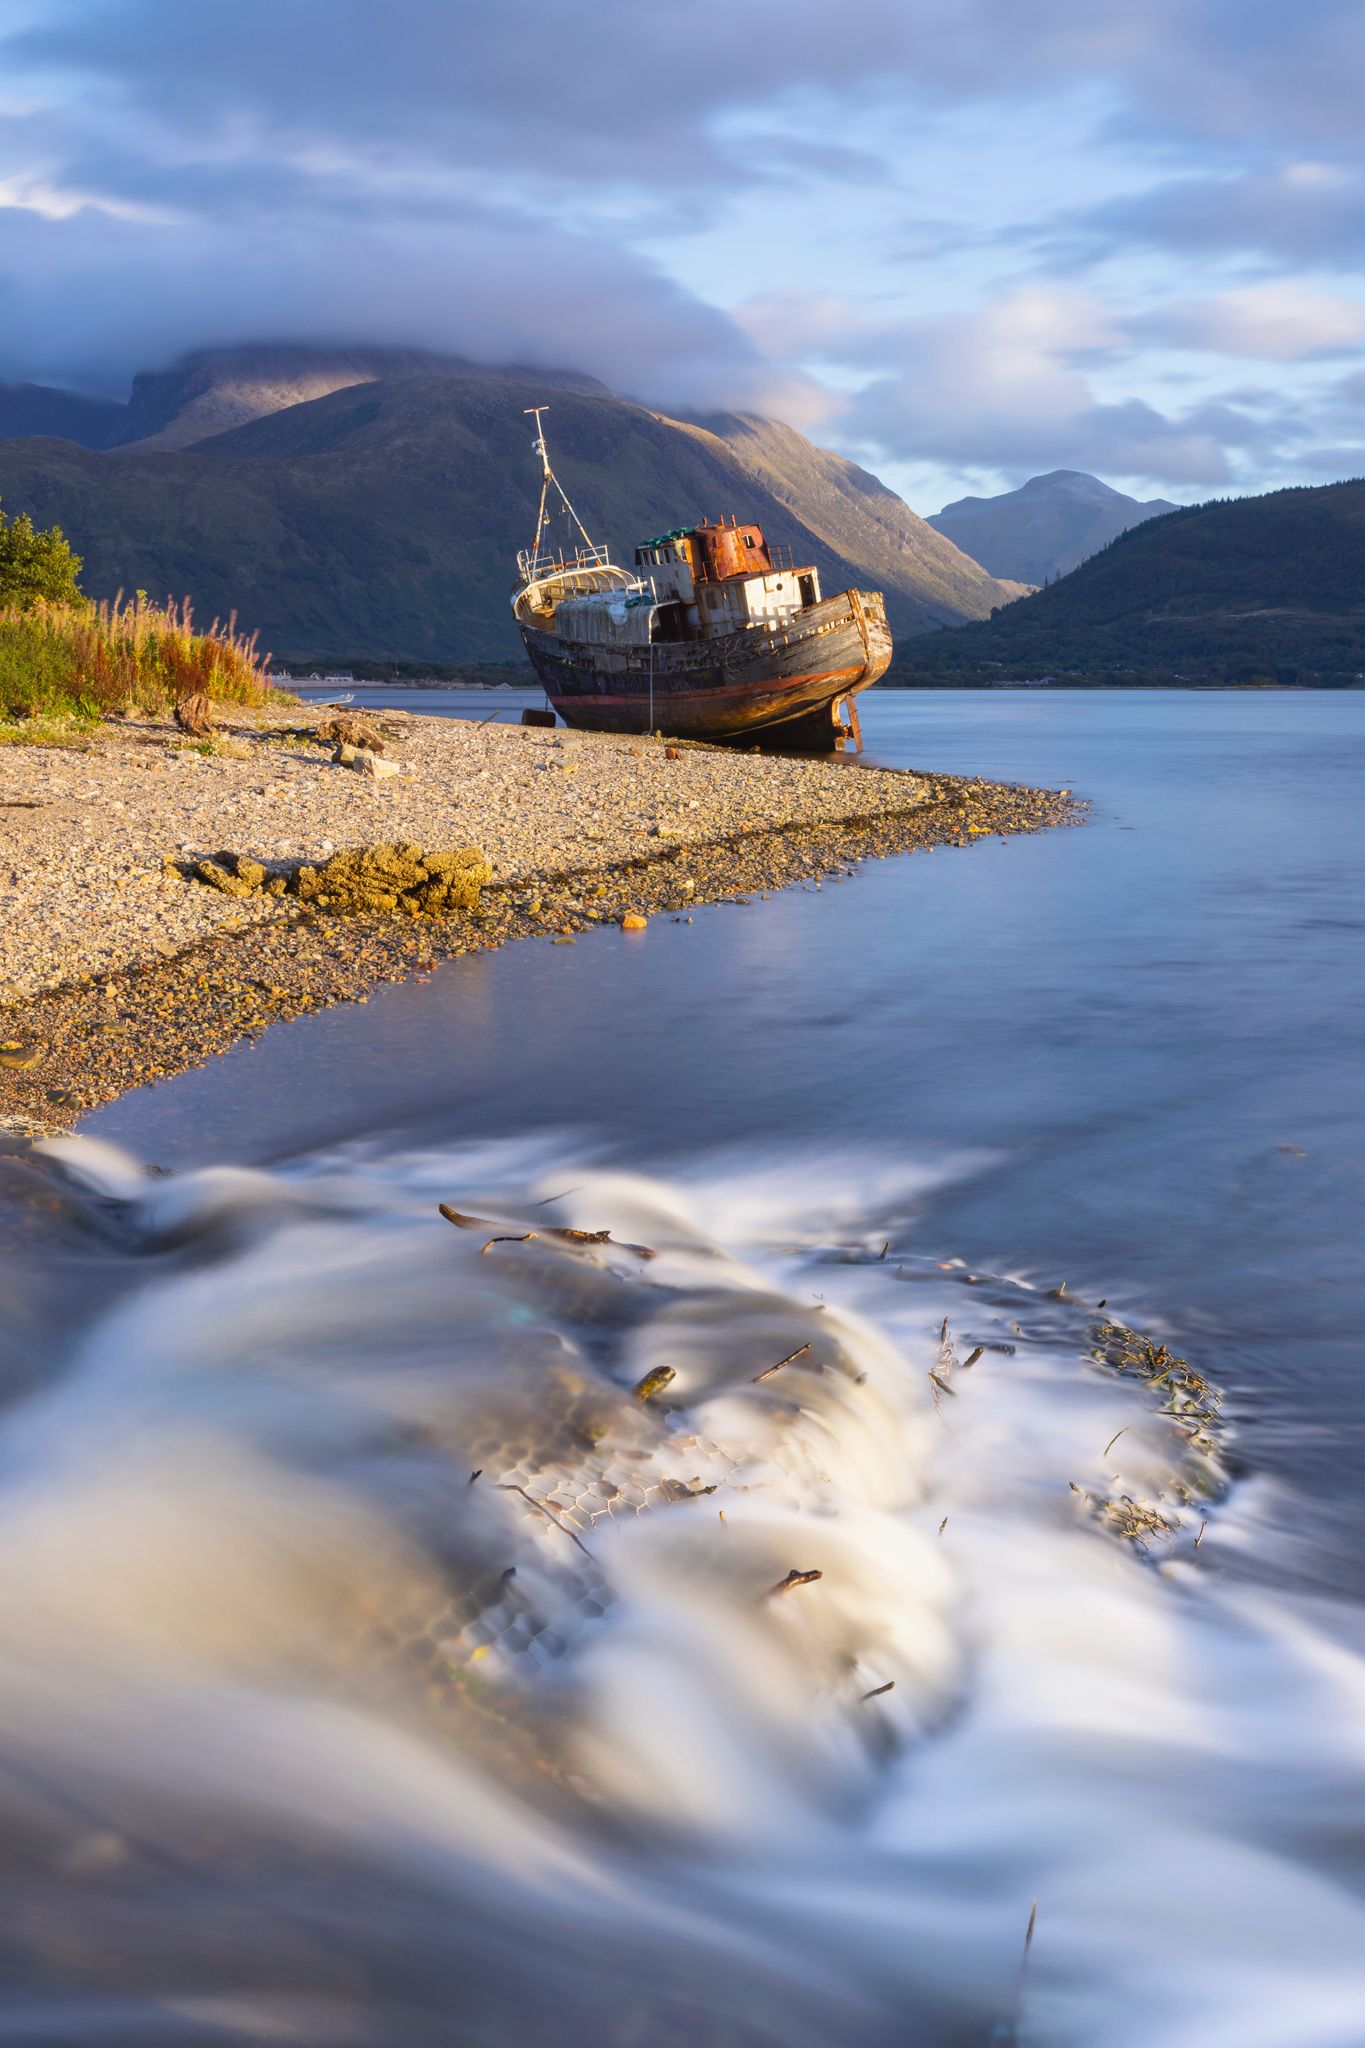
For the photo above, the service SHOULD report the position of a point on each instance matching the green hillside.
(381, 521)
(1268, 589)
(856, 515)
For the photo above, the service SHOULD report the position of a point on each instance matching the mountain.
(213, 390)
(379, 520)
(1048, 526)
(41, 409)
(855, 515)
(1245, 590)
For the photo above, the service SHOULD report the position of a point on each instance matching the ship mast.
(548, 477)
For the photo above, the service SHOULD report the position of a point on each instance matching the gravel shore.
(117, 968)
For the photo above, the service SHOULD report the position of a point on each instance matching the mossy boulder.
(216, 876)
(363, 880)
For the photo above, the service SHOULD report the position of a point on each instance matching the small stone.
(194, 714)
(633, 922)
(363, 762)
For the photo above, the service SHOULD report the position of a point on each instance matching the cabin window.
(808, 590)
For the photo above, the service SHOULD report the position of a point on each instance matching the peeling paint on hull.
(786, 685)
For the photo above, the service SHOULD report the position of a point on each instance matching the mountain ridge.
(27, 410)
(211, 391)
(1045, 528)
(1265, 589)
(380, 519)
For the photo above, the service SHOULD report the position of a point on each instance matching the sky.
(962, 241)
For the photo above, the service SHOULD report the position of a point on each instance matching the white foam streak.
(259, 1460)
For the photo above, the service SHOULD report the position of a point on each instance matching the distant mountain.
(379, 518)
(27, 409)
(1268, 589)
(1047, 527)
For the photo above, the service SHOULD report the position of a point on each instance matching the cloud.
(491, 289)
(484, 177)
(1009, 387)
(1281, 321)
(636, 94)
(1305, 212)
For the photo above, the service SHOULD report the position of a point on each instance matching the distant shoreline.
(341, 683)
(1119, 683)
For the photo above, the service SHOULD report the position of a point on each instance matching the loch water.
(306, 1736)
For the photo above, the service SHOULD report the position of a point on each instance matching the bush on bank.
(64, 659)
(36, 566)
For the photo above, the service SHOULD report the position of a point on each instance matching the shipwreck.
(713, 635)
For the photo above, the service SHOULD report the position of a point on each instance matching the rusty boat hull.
(792, 687)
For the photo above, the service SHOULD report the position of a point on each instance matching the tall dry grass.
(82, 661)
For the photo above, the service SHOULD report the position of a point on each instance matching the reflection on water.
(401, 1638)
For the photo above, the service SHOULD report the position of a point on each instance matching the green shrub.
(36, 567)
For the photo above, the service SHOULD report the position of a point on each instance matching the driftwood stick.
(800, 1352)
(552, 1515)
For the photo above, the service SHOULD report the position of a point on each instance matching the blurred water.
(1151, 1029)
(379, 1666)
(305, 1735)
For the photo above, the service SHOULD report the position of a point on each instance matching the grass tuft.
(74, 664)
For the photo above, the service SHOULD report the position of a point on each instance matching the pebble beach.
(117, 966)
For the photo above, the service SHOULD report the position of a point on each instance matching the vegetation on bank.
(1243, 591)
(65, 662)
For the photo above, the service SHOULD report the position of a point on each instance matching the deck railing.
(532, 567)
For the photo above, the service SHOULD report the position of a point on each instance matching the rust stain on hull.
(788, 687)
